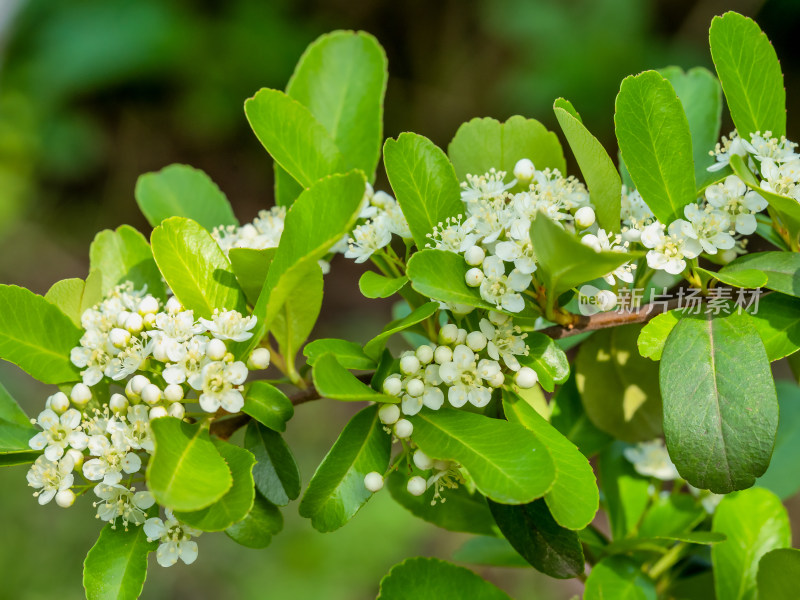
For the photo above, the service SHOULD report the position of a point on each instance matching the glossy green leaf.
(782, 477)
(424, 183)
(195, 268)
(654, 334)
(13, 459)
(750, 74)
(625, 493)
(439, 274)
(434, 579)
(36, 336)
(337, 491)
(782, 269)
(124, 255)
(286, 187)
(537, 537)
(489, 551)
(720, 407)
(755, 522)
(14, 438)
(341, 79)
(618, 387)
(237, 501)
(777, 320)
(348, 354)
(619, 578)
(569, 417)
(483, 144)
(183, 191)
(778, 573)
(268, 405)
(746, 278)
(671, 515)
(507, 461)
(547, 359)
(186, 472)
(116, 566)
(656, 143)
(373, 285)
(74, 296)
(10, 411)
(275, 473)
(376, 345)
(258, 527)
(598, 169)
(297, 141)
(333, 381)
(573, 499)
(251, 267)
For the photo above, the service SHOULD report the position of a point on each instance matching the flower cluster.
(381, 218)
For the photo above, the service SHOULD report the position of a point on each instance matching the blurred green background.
(95, 92)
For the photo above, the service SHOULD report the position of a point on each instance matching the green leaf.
(720, 408)
(489, 551)
(656, 143)
(483, 144)
(373, 285)
(424, 183)
(186, 472)
(341, 79)
(750, 74)
(508, 462)
(462, 509)
(333, 381)
(14, 438)
(348, 354)
(782, 477)
(568, 416)
(626, 493)
(183, 191)
(251, 267)
(619, 578)
(782, 269)
(439, 274)
(268, 405)
(237, 501)
(195, 268)
(777, 319)
(10, 411)
(74, 296)
(537, 537)
(375, 346)
(116, 566)
(13, 459)
(337, 491)
(654, 334)
(124, 255)
(701, 97)
(564, 262)
(297, 141)
(547, 359)
(36, 336)
(672, 515)
(618, 387)
(598, 169)
(755, 522)
(258, 527)
(573, 499)
(275, 474)
(434, 579)
(286, 187)
(778, 573)
(746, 278)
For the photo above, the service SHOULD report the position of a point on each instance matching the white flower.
(668, 250)
(708, 226)
(193, 359)
(112, 460)
(431, 395)
(119, 501)
(602, 241)
(129, 360)
(651, 459)
(764, 146)
(733, 197)
(59, 433)
(520, 252)
(50, 477)
(132, 430)
(230, 325)
(724, 150)
(369, 238)
(453, 235)
(220, 384)
(781, 179)
(175, 537)
(485, 187)
(503, 339)
(465, 381)
(171, 331)
(264, 232)
(501, 290)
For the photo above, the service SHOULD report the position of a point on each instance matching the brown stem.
(225, 428)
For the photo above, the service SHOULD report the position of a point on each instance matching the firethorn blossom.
(220, 385)
(651, 460)
(50, 477)
(175, 537)
(59, 433)
(668, 250)
(741, 204)
(119, 501)
(229, 325)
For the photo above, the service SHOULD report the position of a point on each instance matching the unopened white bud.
(476, 341)
(392, 386)
(591, 240)
(409, 364)
(474, 256)
(118, 403)
(160, 351)
(474, 277)
(585, 217)
(373, 481)
(462, 309)
(77, 458)
(606, 300)
(442, 354)
(524, 170)
(122, 316)
(403, 429)
(119, 338)
(173, 392)
(148, 305)
(389, 413)
(134, 323)
(415, 388)
(448, 334)
(498, 318)
(59, 403)
(215, 349)
(151, 394)
(80, 395)
(631, 235)
(441, 465)
(497, 379)
(462, 336)
(149, 319)
(259, 359)
(174, 306)
(137, 384)
(176, 410)
(157, 412)
(526, 378)
(422, 460)
(417, 486)
(424, 354)
(727, 256)
(65, 498)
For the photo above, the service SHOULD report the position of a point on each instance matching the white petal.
(38, 442)
(54, 452)
(167, 554)
(154, 528)
(232, 401)
(513, 303)
(209, 402)
(131, 463)
(746, 224)
(457, 395)
(188, 552)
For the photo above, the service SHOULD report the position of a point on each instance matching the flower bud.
(59, 403)
(174, 306)
(409, 364)
(462, 336)
(259, 359)
(148, 305)
(137, 384)
(462, 309)
(606, 300)
(215, 349)
(591, 240)
(497, 379)
(122, 316)
(176, 410)
(373, 481)
(77, 458)
(160, 351)
(157, 412)
(498, 318)
(476, 341)
(415, 388)
(442, 354)
(80, 395)
(474, 256)
(524, 170)
(389, 413)
(118, 404)
(134, 323)
(425, 354)
(392, 386)
(119, 338)
(631, 235)
(403, 429)
(65, 498)
(173, 392)
(417, 486)
(584, 217)
(448, 334)
(422, 460)
(727, 256)
(151, 394)
(474, 277)
(526, 378)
